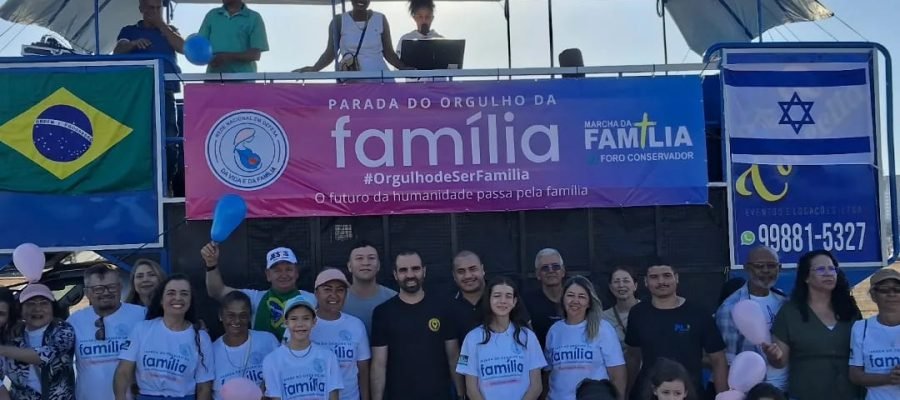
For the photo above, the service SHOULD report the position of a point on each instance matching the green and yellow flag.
(76, 131)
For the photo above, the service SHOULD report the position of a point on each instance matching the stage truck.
(692, 164)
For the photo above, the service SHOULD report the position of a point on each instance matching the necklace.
(241, 368)
(302, 352)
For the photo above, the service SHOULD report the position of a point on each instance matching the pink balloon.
(747, 369)
(29, 260)
(240, 389)
(750, 320)
(730, 395)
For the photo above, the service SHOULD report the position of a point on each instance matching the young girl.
(300, 369)
(668, 380)
(240, 352)
(502, 358)
(582, 345)
(169, 356)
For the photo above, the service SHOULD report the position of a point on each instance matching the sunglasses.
(826, 270)
(555, 267)
(101, 329)
(886, 290)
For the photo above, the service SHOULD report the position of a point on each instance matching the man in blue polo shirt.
(153, 37)
(237, 35)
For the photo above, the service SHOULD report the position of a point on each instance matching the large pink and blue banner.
(294, 150)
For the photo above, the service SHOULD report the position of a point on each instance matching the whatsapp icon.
(748, 238)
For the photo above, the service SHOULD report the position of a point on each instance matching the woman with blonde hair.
(145, 278)
(582, 345)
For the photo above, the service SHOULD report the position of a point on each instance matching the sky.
(608, 32)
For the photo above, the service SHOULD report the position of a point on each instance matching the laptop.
(428, 54)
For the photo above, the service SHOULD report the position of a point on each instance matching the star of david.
(786, 118)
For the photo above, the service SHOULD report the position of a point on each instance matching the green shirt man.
(237, 35)
(268, 305)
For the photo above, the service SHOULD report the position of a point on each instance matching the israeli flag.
(794, 108)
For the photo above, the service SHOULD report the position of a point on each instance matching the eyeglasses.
(826, 270)
(100, 289)
(886, 290)
(763, 266)
(101, 329)
(551, 267)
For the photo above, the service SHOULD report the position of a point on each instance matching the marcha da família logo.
(645, 139)
(247, 150)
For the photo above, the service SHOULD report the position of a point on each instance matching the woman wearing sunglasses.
(41, 349)
(876, 341)
(812, 331)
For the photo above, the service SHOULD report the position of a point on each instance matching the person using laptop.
(422, 12)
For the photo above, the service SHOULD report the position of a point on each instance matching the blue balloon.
(230, 212)
(198, 50)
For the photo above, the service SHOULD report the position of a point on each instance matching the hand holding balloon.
(29, 259)
(198, 50)
(228, 215)
(210, 254)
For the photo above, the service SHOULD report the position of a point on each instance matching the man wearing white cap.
(268, 305)
(343, 333)
(875, 342)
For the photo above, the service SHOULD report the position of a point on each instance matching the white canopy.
(705, 22)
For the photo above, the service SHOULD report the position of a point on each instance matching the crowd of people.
(352, 338)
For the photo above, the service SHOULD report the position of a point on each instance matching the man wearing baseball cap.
(268, 305)
(343, 333)
(875, 342)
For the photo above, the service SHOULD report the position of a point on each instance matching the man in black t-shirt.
(668, 326)
(414, 345)
(544, 305)
(466, 307)
(468, 273)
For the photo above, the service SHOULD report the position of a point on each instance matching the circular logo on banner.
(247, 150)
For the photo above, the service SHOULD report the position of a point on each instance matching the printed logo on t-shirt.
(883, 361)
(497, 370)
(105, 350)
(308, 384)
(572, 354)
(434, 324)
(171, 364)
(463, 360)
(276, 310)
(253, 374)
(345, 351)
(682, 328)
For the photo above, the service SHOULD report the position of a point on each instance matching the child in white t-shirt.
(502, 359)
(300, 369)
(239, 353)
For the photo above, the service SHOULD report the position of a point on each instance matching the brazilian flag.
(77, 154)
(76, 131)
